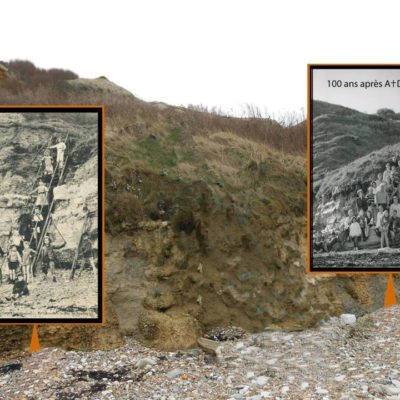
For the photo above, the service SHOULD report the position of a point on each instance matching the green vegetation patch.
(156, 154)
(175, 136)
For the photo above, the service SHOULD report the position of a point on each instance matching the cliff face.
(205, 225)
(75, 199)
(23, 140)
(14, 167)
(213, 253)
(211, 231)
(341, 136)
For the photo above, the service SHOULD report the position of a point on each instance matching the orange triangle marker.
(35, 346)
(390, 296)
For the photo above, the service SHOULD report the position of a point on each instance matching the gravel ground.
(61, 299)
(333, 361)
(354, 259)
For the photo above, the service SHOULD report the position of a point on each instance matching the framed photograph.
(354, 168)
(51, 214)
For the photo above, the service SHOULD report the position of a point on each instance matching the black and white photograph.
(50, 214)
(354, 168)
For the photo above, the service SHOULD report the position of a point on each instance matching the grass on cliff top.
(158, 153)
(341, 135)
(252, 172)
(218, 157)
(225, 152)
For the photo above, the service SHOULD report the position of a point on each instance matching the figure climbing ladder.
(42, 217)
(54, 182)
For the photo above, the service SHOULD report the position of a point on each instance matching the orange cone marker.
(390, 296)
(35, 346)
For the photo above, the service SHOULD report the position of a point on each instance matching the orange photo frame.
(78, 108)
(332, 271)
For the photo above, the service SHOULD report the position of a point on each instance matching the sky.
(223, 53)
(365, 90)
